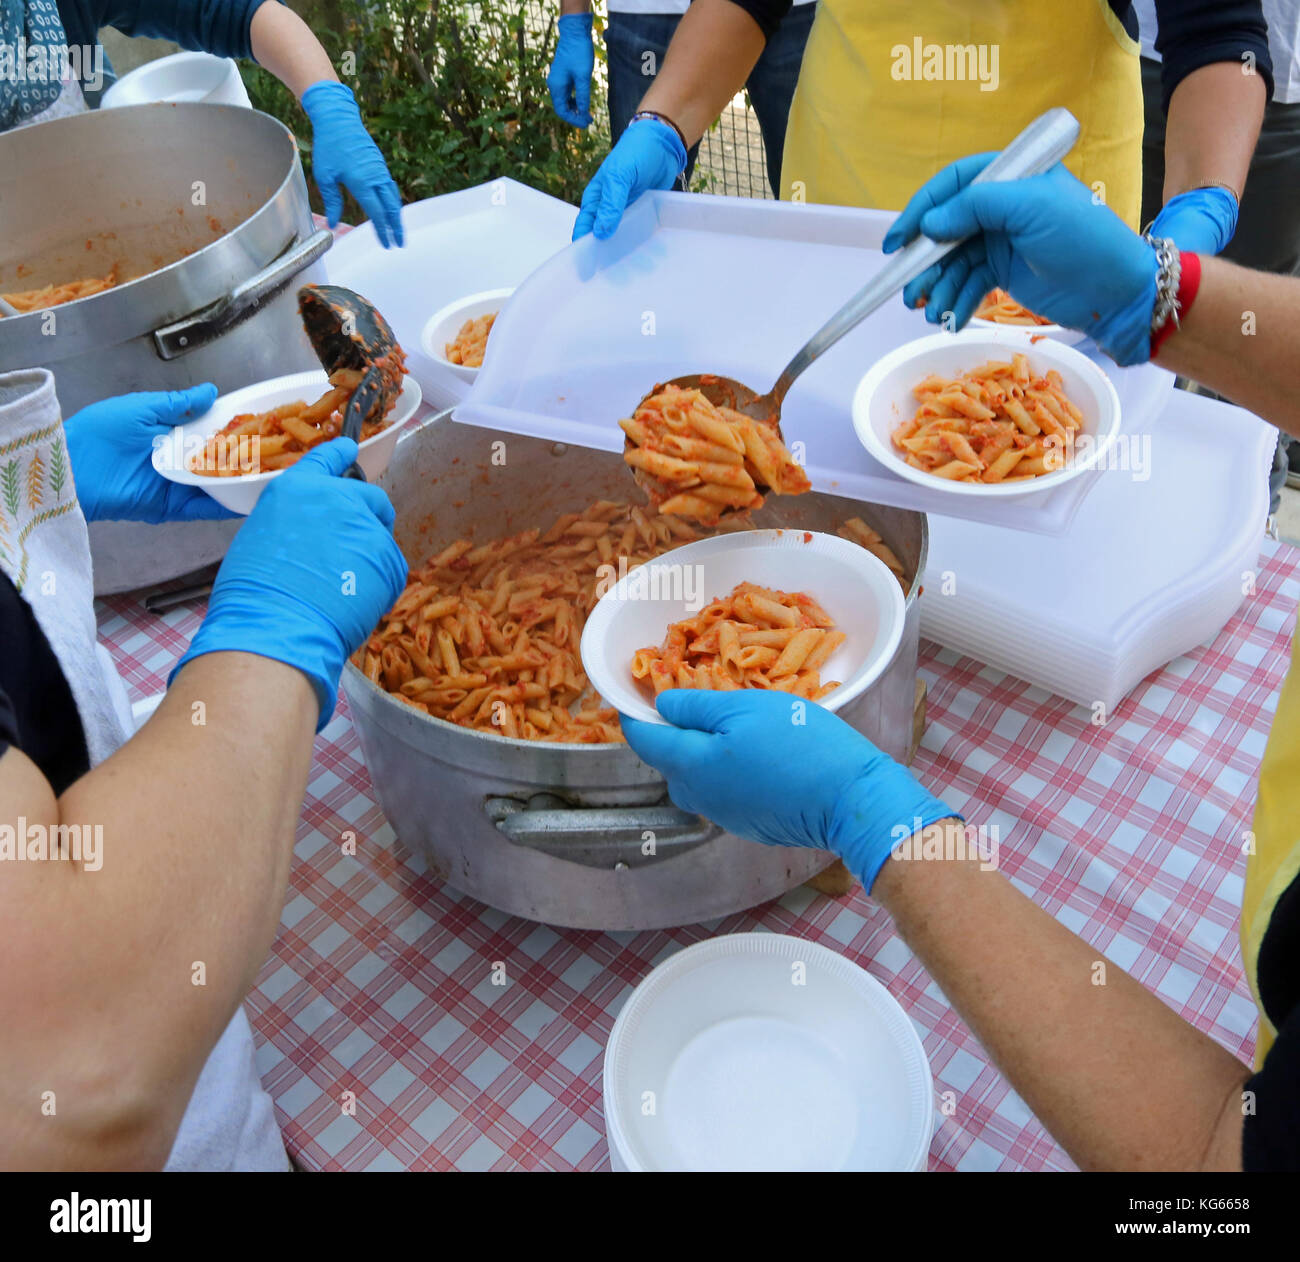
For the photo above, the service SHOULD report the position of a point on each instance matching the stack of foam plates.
(759, 1051)
(1159, 557)
(483, 238)
(693, 283)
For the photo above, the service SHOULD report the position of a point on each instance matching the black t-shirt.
(1271, 1140)
(37, 712)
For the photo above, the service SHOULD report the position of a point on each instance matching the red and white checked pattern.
(380, 984)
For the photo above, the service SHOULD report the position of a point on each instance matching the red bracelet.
(1189, 282)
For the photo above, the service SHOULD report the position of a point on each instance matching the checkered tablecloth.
(386, 1045)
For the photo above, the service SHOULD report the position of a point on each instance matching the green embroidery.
(58, 468)
(9, 488)
(35, 481)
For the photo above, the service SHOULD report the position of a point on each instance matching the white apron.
(229, 1123)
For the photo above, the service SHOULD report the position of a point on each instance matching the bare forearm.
(574, 6)
(1118, 1078)
(284, 44)
(713, 51)
(1240, 339)
(161, 940)
(1214, 119)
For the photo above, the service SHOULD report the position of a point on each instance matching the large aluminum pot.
(204, 210)
(554, 832)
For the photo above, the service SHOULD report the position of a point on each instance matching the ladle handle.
(1037, 149)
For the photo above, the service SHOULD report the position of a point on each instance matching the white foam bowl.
(185, 76)
(442, 326)
(760, 1051)
(853, 586)
(884, 399)
(1057, 332)
(172, 454)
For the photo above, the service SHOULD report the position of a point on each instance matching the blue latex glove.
(773, 768)
(342, 152)
(569, 78)
(110, 444)
(1201, 220)
(648, 155)
(308, 575)
(1046, 242)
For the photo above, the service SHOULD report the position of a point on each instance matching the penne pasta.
(275, 439)
(1007, 424)
(701, 460)
(470, 342)
(753, 638)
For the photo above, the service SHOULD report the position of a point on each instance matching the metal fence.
(731, 158)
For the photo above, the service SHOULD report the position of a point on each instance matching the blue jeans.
(635, 44)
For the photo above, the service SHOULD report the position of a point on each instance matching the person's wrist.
(879, 809)
(575, 24)
(249, 617)
(328, 94)
(1180, 301)
(666, 133)
(1125, 334)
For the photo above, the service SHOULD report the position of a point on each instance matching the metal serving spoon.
(1037, 149)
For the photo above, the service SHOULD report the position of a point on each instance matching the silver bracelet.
(1168, 278)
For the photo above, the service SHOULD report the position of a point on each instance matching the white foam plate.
(884, 399)
(1056, 332)
(240, 493)
(760, 1051)
(853, 586)
(443, 326)
(183, 76)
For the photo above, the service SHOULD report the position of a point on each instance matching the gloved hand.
(1046, 242)
(309, 573)
(1201, 220)
(110, 444)
(342, 152)
(649, 154)
(776, 769)
(569, 78)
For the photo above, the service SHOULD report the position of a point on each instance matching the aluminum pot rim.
(111, 307)
(350, 669)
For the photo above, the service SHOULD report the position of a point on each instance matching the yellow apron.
(1276, 860)
(891, 91)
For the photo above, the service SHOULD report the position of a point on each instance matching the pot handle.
(205, 326)
(607, 837)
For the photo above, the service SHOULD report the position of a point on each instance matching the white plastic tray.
(487, 237)
(694, 283)
(1147, 571)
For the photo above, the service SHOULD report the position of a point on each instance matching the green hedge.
(453, 92)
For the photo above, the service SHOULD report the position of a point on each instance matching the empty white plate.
(759, 1051)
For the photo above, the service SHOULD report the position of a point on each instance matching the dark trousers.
(1268, 231)
(635, 44)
